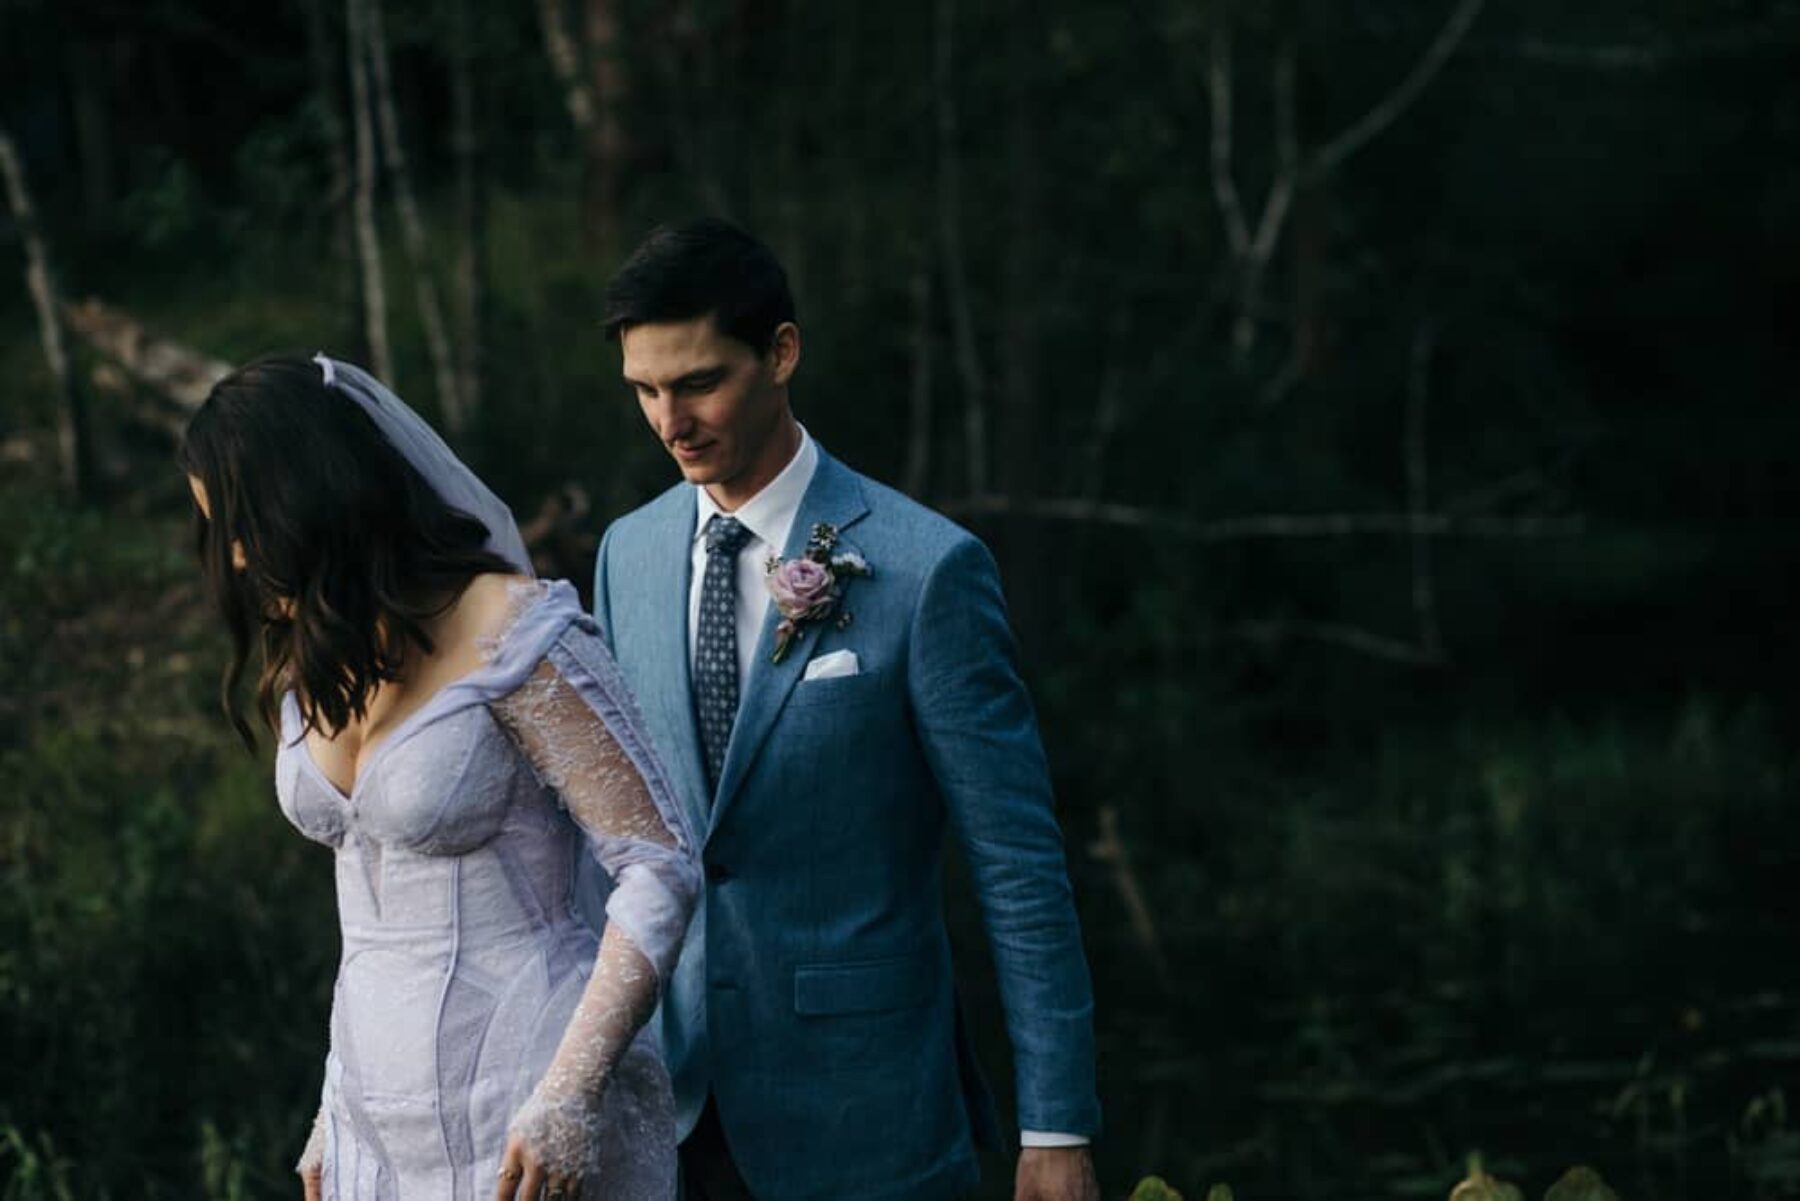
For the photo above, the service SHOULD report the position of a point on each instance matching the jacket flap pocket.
(863, 987)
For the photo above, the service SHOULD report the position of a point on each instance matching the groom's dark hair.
(703, 268)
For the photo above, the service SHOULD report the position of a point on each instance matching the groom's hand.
(1056, 1174)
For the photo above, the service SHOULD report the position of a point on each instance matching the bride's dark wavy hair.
(349, 551)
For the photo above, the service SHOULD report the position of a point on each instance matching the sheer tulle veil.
(462, 489)
(459, 487)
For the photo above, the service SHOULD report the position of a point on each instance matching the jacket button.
(717, 873)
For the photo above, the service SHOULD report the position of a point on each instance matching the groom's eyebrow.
(700, 377)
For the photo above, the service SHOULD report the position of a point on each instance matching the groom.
(825, 742)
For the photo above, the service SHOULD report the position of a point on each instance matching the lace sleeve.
(576, 725)
(582, 735)
(312, 1156)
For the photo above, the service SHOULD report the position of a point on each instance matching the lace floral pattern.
(563, 718)
(468, 968)
(312, 1157)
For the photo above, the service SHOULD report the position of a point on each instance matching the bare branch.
(1633, 56)
(1332, 155)
(1287, 157)
(566, 508)
(1418, 397)
(1224, 183)
(1275, 206)
(1108, 411)
(1366, 642)
(1110, 850)
(1270, 525)
(1531, 483)
(560, 535)
(1282, 384)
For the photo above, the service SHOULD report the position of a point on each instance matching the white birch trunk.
(368, 236)
(40, 278)
(412, 228)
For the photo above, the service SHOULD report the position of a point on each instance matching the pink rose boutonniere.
(811, 588)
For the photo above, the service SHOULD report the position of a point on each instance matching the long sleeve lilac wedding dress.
(473, 999)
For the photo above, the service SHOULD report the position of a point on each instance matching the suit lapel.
(835, 498)
(666, 620)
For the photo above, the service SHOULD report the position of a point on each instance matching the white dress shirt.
(769, 516)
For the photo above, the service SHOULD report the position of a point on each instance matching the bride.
(458, 734)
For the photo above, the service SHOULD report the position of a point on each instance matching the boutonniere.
(811, 588)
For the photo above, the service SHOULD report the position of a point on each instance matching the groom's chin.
(702, 468)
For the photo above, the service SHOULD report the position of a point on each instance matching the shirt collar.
(769, 515)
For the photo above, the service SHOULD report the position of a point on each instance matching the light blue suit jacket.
(814, 996)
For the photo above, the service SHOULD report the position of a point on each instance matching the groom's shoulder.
(925, 534)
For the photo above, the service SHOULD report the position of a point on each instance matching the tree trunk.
(955, 262)
(1311, 250)
(368, 236)
(918, 445)
(607, 145)
(848, 167)
(593, 81)
(791, 108)
(337, 149)
(1022, 465)
(469, 147)
(412, 228)
(93, 133)
(40, 278)
(684, 53)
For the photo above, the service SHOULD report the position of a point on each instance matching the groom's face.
(719, 408)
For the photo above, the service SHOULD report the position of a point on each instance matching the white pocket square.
(832, 666)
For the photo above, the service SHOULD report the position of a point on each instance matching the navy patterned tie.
(715, 642)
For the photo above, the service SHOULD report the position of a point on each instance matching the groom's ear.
(784, 353)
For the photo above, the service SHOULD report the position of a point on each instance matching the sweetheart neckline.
(400, 733)
(536, 590)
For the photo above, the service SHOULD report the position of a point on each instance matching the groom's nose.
(673, 420)
(663, 417)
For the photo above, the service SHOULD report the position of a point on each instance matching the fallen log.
(177, 373)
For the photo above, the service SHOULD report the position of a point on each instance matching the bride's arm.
(575, 723)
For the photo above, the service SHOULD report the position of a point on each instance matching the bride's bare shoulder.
(491, 601)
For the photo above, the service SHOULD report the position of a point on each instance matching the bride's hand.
(312, 1160)
(523, 1177)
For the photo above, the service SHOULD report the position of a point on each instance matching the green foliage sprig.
(1579, 1183)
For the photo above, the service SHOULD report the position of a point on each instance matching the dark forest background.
(1374, 408)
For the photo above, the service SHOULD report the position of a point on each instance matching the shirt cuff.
(1050, 1138)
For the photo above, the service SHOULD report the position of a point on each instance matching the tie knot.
(725, 535)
